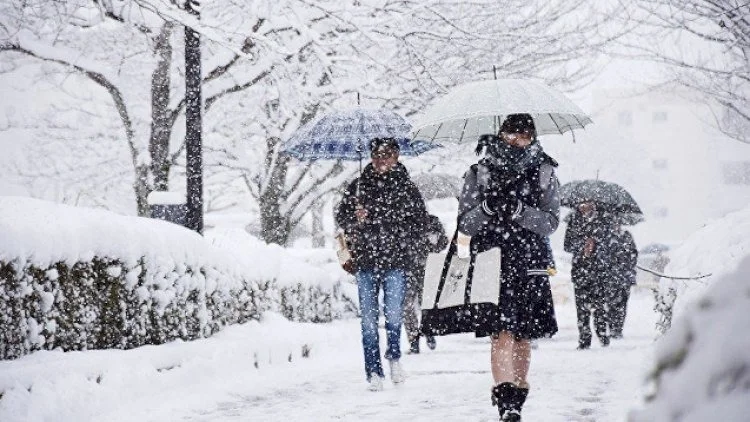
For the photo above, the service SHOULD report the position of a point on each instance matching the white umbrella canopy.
(477, 108)
(438, 185)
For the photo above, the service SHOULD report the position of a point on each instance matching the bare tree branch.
(100, 80)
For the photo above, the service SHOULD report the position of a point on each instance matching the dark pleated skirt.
(525, 310)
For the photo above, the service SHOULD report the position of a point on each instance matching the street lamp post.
(193, 123)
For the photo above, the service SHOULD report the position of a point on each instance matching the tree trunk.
(161, 129)
(318, 231)
(275, 225)
(142, 189)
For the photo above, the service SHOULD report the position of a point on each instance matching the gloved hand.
(502, 203)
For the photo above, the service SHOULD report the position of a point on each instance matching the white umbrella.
(438, 185)
(476, 108)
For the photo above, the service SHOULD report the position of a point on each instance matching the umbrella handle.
(359, 151)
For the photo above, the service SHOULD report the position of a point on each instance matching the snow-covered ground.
(256, 371)
(279, 370)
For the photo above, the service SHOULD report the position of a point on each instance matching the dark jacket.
(614, 256)
(522, 236)
(433, 240)
(624, 258)
(396, 216)
(526, 308)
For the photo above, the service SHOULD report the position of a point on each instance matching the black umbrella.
(607, 195)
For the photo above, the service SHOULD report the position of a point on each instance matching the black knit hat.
(517, 123)
(382, 143)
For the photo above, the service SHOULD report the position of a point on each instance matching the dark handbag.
(460, 293)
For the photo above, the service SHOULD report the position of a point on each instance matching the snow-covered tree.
(716, 65)
(131, 49)
(436, 44)
(272, 66)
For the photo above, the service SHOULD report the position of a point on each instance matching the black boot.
(431, 343)
(514, 414)
(584, 343)
(509, 400)
(503, 396)
(414, 346)
(604, 340)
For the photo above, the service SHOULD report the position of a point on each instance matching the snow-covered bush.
(702, 369)
(714, 249)
(104, 303)
(308, 285)
(76, 278)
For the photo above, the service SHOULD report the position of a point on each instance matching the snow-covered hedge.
(307, 285)
(714, 249)
(105, 303)
(75, 279)
(702, 368)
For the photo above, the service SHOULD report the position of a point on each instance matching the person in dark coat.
(590, 238)
(624, 257)
(510, 200)
(433, 240)
(382, 212)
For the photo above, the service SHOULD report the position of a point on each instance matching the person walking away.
(587, 237)
(510, 200)
(381, 213)
(623, 262)
(433, 240)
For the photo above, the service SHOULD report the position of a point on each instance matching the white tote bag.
(484, 286)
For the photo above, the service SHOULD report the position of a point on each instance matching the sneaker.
(431, 343)
(583, 345)
(375, 383)
(397, 372)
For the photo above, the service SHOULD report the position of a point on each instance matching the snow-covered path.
(217, 379)
(452, 383)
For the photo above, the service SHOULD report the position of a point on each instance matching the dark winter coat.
(424, 245)
(624, 258)
(522, 236)
(525, 308)
(614, 256)
(593, 269)
(396, 217)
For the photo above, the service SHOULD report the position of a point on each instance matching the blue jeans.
(394, 287)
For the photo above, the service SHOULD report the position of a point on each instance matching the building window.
(625, 118)
(736, 172)
(659, 117)
(660, 163)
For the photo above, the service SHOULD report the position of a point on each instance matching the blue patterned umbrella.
(345, 135)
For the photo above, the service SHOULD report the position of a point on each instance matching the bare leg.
(521, 362)
(501, 358)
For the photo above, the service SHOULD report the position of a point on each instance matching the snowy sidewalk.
(217, 380)
(452, 383)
